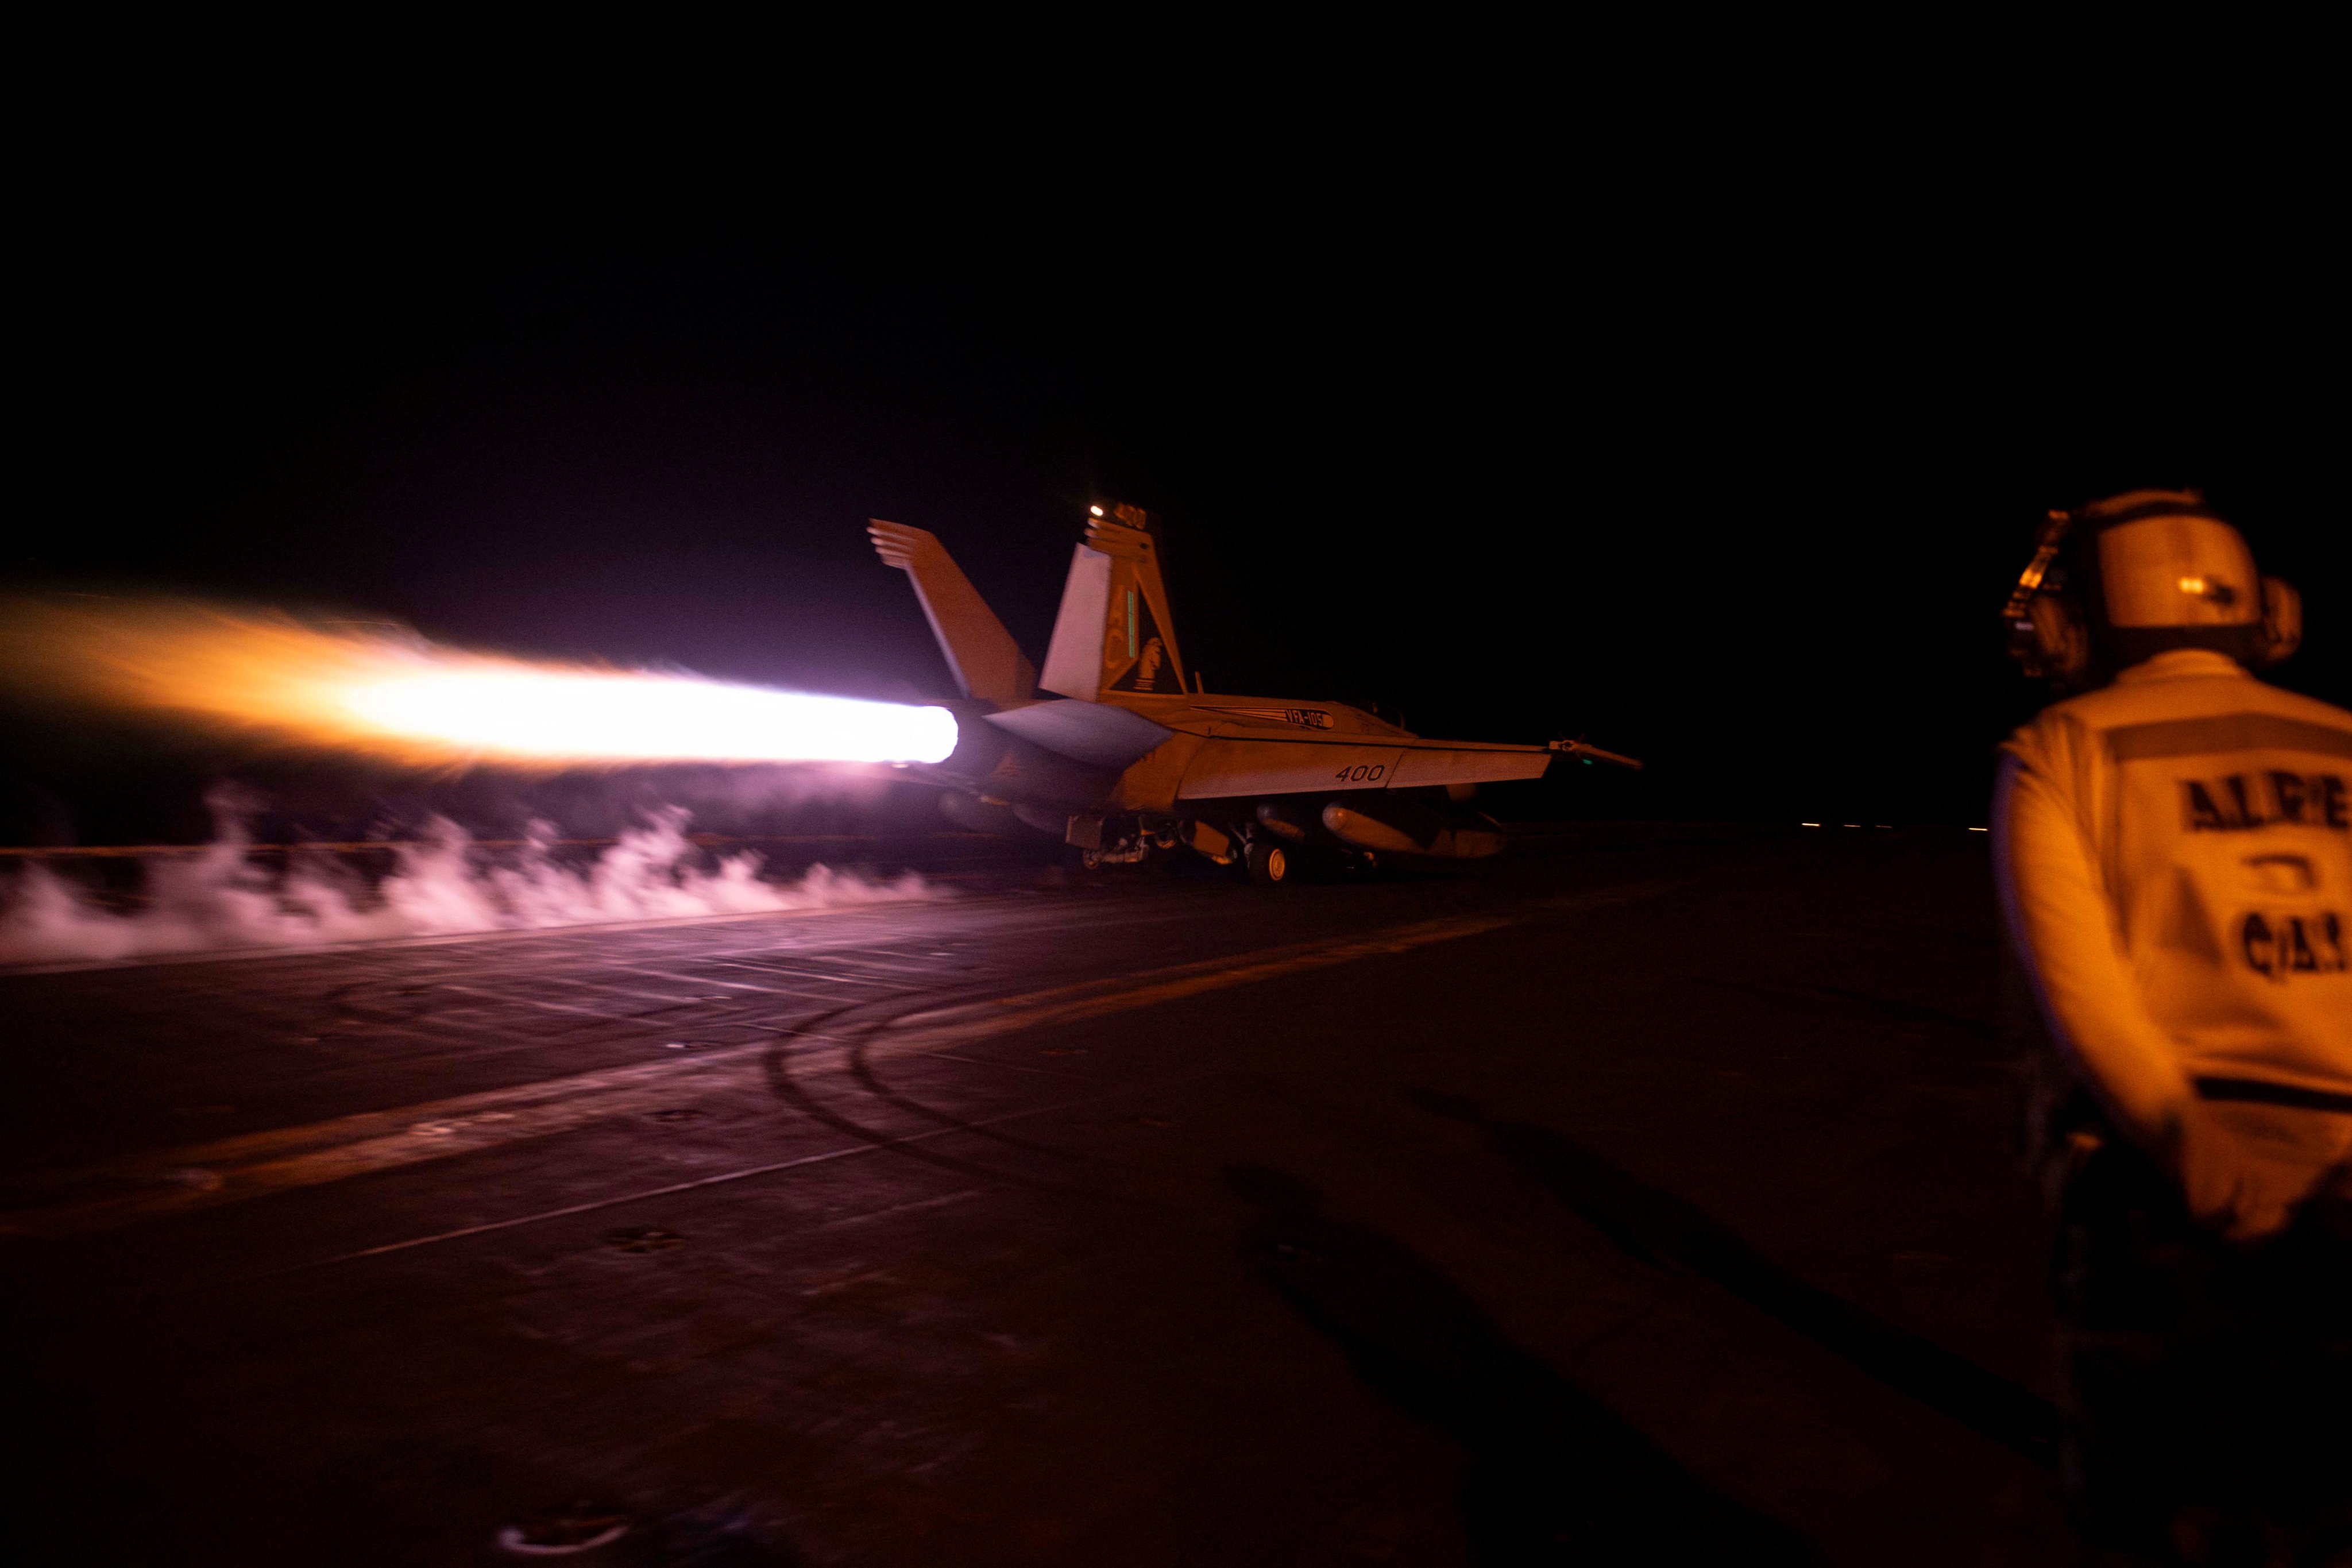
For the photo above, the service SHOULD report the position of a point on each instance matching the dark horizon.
(1749, 518)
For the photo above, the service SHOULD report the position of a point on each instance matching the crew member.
(2174, 851)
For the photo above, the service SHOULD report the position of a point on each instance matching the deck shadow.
(1668, 1232)
(1555, 1476)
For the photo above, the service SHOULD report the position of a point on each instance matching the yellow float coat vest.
(2175, 859)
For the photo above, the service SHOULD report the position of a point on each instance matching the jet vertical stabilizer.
(1114, 636)
(1137, 759)
(979, 652)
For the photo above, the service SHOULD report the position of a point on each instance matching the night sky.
(1728, 467)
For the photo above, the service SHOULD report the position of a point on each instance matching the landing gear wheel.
(1268, 864)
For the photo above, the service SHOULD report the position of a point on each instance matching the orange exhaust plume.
(389, 693)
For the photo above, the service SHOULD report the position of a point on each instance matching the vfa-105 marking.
(1118, 750)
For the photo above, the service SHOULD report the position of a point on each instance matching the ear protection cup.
(2282, 629)
(2061, 645)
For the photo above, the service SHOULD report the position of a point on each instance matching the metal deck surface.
(1649, 1195)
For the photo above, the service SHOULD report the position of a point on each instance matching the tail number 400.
(1362, 772)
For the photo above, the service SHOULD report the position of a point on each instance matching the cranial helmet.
(2125, 579)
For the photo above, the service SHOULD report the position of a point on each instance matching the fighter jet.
(1121, 751)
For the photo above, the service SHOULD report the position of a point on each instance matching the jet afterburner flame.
(383, 689)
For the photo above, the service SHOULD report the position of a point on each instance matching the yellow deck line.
(1093, 999)
(253, 1165)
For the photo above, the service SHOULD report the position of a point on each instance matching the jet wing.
(1242, 761)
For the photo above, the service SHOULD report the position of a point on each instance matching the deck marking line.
(820, 1158)
(284, 1158)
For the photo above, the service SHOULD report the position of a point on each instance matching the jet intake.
(1209, 841)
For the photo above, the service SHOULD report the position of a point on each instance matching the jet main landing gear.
(1266, 863)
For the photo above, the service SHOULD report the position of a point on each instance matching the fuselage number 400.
(1362, 772)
